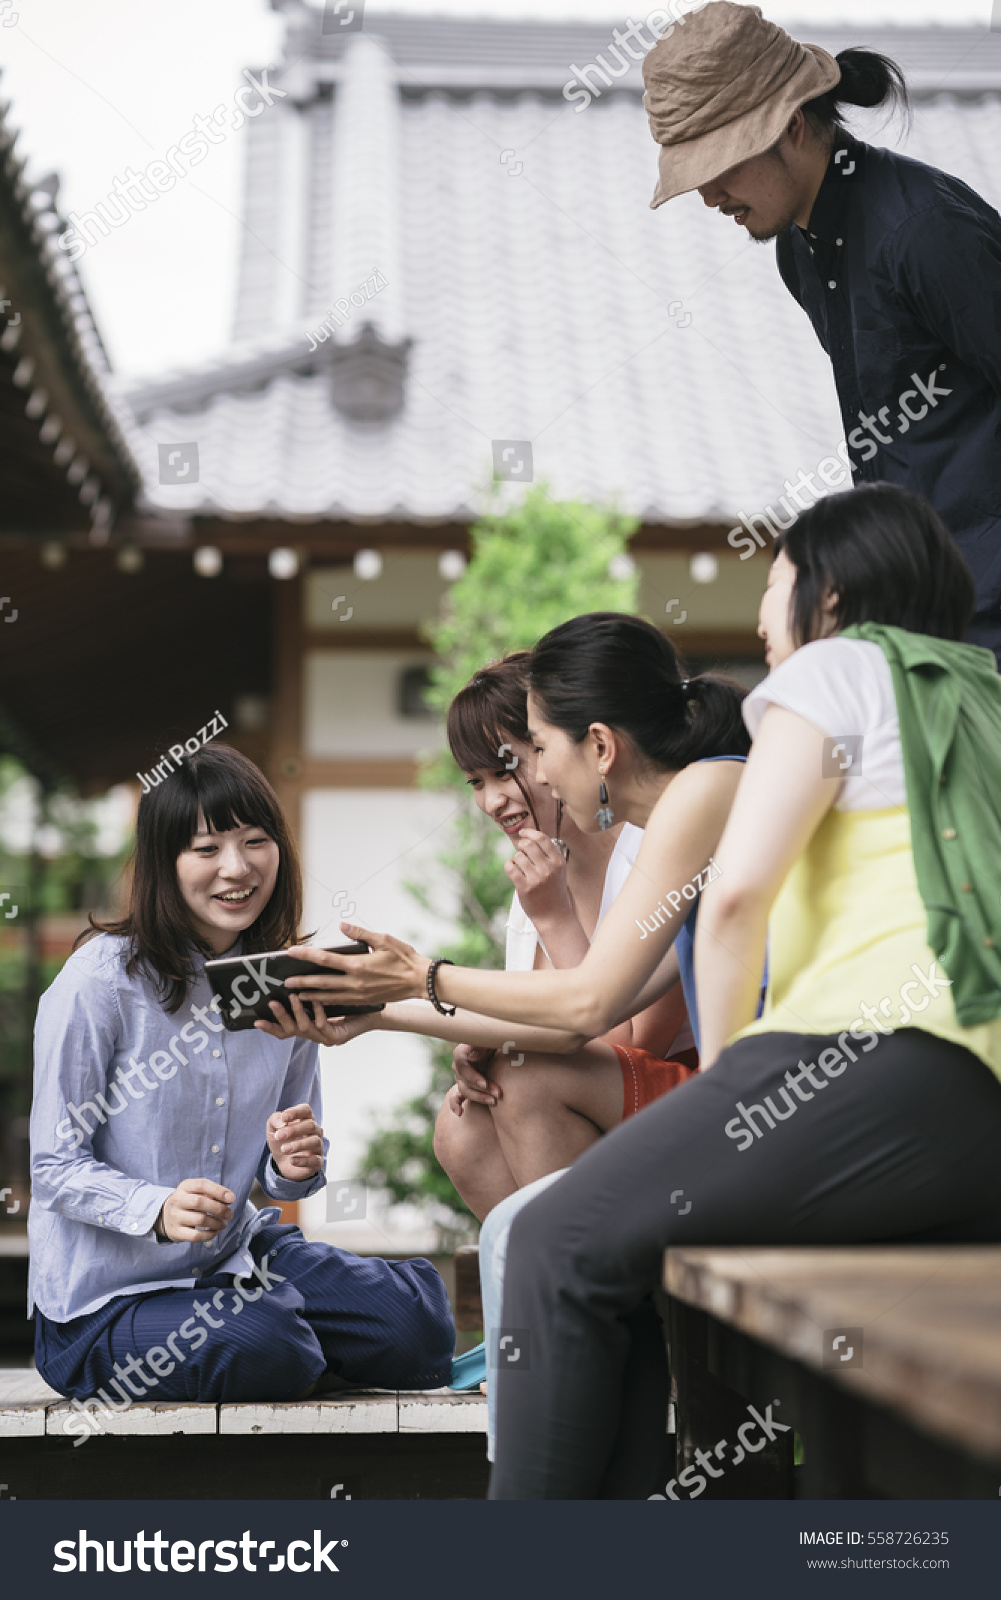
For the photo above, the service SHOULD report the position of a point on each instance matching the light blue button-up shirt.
(129, 1101)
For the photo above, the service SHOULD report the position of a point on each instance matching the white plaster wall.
(351, 706)
(362, 845)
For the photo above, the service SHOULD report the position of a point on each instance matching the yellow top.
(848, 946)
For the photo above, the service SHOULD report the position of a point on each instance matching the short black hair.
(887, 555)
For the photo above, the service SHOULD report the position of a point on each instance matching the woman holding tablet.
(152, 1274)
(527, 1102)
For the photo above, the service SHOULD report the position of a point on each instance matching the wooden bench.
(912, 1412)
(383, 1445)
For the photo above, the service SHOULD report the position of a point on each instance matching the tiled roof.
(68, 433)
(652, 358)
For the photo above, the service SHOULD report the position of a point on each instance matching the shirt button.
(135, 1227)
(215, 1149)
(988, 943)
(948, 833)
(967, 888)
(839, 241)
(219, 1100)
(217, 1054)
(832, 283)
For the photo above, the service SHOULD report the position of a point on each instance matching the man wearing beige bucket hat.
(897, 264)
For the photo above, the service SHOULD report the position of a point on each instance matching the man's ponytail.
(868, 79)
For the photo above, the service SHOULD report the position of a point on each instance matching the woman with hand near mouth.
(145, 1246)
(527, 1102)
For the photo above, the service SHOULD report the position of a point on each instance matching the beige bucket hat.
(720, 89)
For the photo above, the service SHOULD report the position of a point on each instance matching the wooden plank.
(355, 1413)
(929, 1316)
(141, 1420)
(468, 1303)
(23, 1399)
(441, 1411)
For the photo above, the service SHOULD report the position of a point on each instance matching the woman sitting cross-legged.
(864, 1106)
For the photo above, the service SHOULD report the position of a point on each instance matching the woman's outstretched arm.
(420, 1017)
(682, 833)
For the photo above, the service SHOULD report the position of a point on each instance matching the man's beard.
(772, 233)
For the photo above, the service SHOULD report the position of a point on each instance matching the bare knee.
(458, 1141)
(530, 1086)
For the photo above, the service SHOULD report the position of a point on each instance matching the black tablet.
(246, 985)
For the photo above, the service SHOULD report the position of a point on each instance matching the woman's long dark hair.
(612, 668)
(229, 792)
(867, 79)
(887, 555)
(487, 715)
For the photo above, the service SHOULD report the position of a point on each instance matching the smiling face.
(760, 194)
(768, 193)
(226, 880)
(499, 797)
(569, 769)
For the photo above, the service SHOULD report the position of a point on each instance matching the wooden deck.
(426, 1444)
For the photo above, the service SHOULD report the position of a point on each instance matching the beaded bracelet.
(439, 961)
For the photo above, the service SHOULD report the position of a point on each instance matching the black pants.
(900, 1144)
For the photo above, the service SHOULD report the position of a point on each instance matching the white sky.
(98, 84)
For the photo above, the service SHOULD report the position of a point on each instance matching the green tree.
(530, 569)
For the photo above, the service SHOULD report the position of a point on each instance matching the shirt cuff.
(282, 1188)
(141, 1211)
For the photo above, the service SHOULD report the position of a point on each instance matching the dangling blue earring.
(604, 816)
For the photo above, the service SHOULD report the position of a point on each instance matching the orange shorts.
(646, 1077)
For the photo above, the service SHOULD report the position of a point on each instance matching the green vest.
(949, 705)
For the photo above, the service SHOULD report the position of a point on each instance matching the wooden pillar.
(286, 763)
(285, 766)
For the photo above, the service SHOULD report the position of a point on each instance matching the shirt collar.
(838, 192)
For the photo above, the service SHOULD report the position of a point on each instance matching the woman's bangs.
(474, 748)
(227, 802)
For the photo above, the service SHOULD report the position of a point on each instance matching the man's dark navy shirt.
(899, 270)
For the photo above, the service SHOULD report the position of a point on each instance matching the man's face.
(762, 194)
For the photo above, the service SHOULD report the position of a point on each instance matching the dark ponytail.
(611, 668)
(867, 79)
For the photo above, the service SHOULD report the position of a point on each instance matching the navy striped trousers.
(309, 1310)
